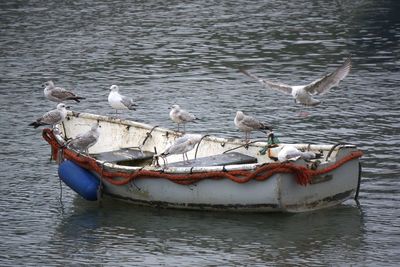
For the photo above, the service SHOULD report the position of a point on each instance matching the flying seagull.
(303, 94)
(83, 141)
(181, 116)
(118, 101)
(58, 94)
(52, 117)
(248, 124)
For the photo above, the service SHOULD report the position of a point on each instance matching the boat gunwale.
(189, 169)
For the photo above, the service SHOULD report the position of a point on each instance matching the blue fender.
(79, 179)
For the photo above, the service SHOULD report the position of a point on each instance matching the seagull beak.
(68, 107)
(43, 85)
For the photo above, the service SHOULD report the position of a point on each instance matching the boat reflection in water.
(176, 237)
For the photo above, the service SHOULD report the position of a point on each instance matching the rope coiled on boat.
(302, 174)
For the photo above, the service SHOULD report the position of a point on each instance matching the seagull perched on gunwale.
(52, 117)
(302, 94)
(181, 116)
(248, 124)
(84, 141)
(118, 101)
(58, 94)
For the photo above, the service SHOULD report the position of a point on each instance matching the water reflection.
(240, 237)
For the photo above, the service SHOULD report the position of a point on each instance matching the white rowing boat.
(221, 174)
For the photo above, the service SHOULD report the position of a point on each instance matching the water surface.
(187, 53)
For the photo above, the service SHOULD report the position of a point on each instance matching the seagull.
(58, 94)
(248, 124)
(289, 152)
(182, 145)
(303, 94)
(118, 101)
(179, 116)
(83, 141)
(52, 117)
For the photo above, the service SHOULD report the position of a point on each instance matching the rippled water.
(188, 52)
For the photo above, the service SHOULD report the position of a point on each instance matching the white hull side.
(206, 194)
(279, 193)
(341, 186)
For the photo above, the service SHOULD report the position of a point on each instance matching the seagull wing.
(251, 122)
(84, 141)
(61, 93)
(287, 89)
(330, 80)
(51, 117)
(183, 144)
(186, 116)
(182, 139)
(178, 147)
(128, 102)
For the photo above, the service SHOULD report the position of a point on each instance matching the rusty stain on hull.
(340, 197)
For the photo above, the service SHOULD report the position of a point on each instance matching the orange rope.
(302, 174)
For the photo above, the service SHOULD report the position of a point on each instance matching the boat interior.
(129, 143)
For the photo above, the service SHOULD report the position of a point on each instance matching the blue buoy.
(79, 179)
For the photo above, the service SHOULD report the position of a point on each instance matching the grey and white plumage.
(248, 124)
(290, 152)
(84, 141)
(58, 94)
(303, 94)
(52, 117)
(181, 116)
(118, 101)
(182, 145)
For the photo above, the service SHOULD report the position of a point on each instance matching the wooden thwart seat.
(216, 160)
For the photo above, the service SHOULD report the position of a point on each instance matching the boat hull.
(279, 193)
(239, 185)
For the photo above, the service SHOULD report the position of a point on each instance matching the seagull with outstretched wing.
(303, 94)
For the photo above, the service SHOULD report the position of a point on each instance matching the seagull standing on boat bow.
(52, 117)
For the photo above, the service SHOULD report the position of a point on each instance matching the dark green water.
(188, 52)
